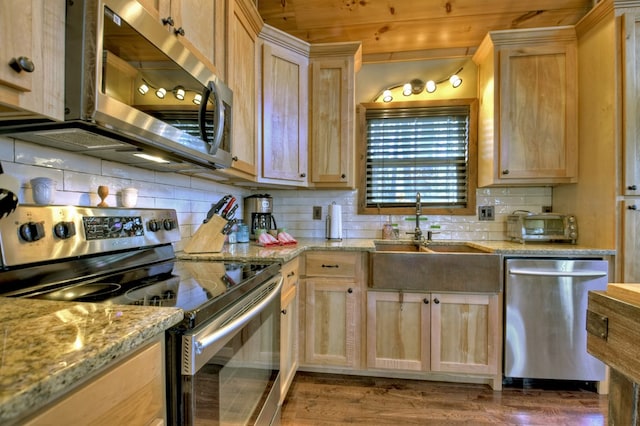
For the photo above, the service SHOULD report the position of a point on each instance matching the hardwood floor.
(323, 399)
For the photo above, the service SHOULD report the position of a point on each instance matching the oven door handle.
(585, 273)
(237, 323)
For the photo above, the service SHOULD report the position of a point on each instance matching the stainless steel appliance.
(545, 321)
(223, 359)
(131, 89)
(527, 226)
(258, 213)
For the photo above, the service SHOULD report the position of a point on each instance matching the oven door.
(231, 365)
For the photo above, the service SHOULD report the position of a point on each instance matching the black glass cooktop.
(199, 288)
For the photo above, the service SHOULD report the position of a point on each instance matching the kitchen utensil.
(9, 187)
(129, 197)
(227, 209)
(231, 213)
(43, 190)
(215, 208)
(103, 192)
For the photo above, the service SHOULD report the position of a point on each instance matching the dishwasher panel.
(545, 320)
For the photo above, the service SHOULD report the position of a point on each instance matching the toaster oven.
(544, 227)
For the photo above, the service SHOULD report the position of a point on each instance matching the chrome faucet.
(417, 233)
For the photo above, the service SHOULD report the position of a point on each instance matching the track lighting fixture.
(417, 86)
(179, 92)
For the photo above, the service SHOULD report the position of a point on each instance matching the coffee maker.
(258, 211)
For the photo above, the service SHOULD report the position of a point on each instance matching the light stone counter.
(252, 252)
(48, 346)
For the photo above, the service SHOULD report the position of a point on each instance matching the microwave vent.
(80, 140)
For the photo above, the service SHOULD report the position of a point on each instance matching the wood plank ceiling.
(395, 30)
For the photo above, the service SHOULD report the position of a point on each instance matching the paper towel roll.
(334, 222)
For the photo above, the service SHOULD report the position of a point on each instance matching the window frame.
(361, 144)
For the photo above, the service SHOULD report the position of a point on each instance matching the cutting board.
(208, 238)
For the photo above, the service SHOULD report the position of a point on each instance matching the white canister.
(44, 189)
(129, 197)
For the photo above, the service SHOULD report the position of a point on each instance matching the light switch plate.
(317, 213)
(486, 213)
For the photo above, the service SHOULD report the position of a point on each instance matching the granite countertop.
(48, 346)
(252, 252)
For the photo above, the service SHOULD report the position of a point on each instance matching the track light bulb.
(431, 86)
(143, 89)
(161, 92)
(178, 92)
(386, 96)
(197, 98)
(455, 81)
(406, 89)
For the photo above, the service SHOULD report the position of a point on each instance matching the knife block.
(208, 238)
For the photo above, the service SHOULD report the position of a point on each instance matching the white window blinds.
(414, 150)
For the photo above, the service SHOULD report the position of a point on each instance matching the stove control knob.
(31, 231)
(169, 224)
(154, 225)
(64, 230)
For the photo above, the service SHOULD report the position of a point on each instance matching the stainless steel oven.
(223, 359)
(230, 365)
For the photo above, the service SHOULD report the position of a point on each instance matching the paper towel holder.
(333, 223)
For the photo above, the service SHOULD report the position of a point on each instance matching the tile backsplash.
(77, 179)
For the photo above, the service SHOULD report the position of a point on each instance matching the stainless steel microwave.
(527, 226)
(135, 94)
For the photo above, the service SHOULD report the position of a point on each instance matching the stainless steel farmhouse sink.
(434, 267)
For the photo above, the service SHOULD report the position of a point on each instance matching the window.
(427, 147)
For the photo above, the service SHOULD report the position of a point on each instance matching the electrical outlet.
(546, 209)
(317, 213)
(486, 213)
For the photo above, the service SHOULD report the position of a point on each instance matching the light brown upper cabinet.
(32, 56)
(200, 24)
(332, 114)
(527, 87)
(285, 89)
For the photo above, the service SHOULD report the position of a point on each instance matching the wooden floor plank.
(326, 399)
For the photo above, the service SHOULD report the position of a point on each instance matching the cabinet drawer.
(331, 264)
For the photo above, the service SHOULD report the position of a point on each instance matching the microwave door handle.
(218, 118)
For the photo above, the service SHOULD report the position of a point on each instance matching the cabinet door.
(284, 115)
(465, 333)
(538, 113)
(631, 96)
(631, 240)
(289, 326)
(32, 30)
(242, 60)
(332, 322)
(332, 122)
(398, 330)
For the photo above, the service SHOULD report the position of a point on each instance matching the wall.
(78, 178)
(293, 210)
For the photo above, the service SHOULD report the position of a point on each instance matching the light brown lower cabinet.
(435, 332)
(131, 392)
(289, 326)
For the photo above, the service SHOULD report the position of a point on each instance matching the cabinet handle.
(234, 158)
(284, 312)
(22, 64)
(436, 301)
(343, 176)
(425, 300)
(168, 21)
(632, 187)
(505, 172)
(349, 290)
(303, 175)
(179, 31)
(330, 266)
(632, 207)
(291, 274)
